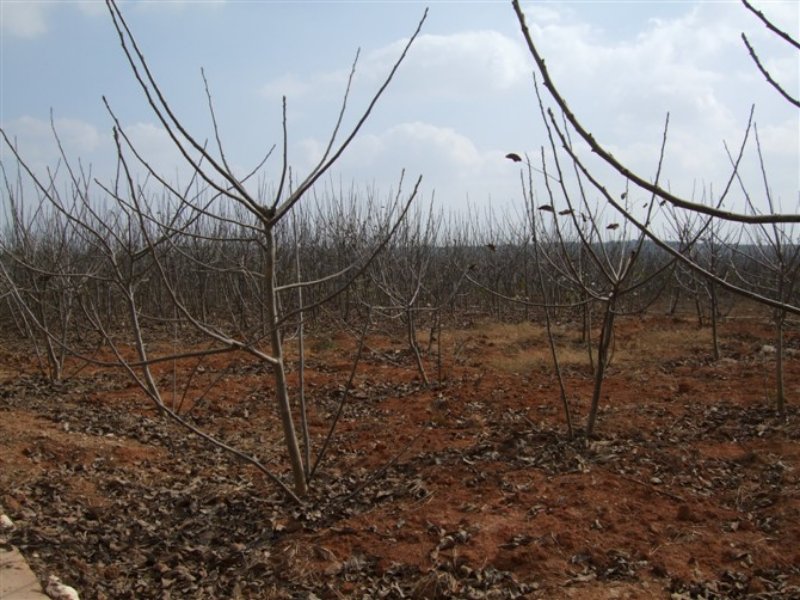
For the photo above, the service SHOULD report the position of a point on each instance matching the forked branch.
(623, 170)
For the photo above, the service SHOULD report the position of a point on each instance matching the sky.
(462, 100)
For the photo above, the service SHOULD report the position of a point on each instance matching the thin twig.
(345, 395)
(601, 151)
(379, 472)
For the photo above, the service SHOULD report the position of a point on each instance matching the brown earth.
(467, 488)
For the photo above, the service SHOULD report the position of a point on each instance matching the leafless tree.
(399, 275)
(707, 243)
(713, 209)
(771, 267)
(221, 230)
(44, 265)
(773, 296)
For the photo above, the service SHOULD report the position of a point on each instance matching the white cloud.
(461, 95)
(451, 65)
(37, 144)
(92, 8)
(80, 135)
(287, 85)
(24, 19)
(693, 66)
(781, 138)
(449, 161)
(416, 146)
(175, 6)
(669, 62)
(153, 144)
(422, 144)
(784, 70)
(779, 142)
(540, 13)
(81, 140)
(454, 66)
(782, 14)
(31, 18)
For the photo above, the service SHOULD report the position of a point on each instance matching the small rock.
(59, 591)
(6, 523)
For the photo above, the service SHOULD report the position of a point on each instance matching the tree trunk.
(606, 335)
(279, 371)
(411, 331)
(712, 292)
(779, 388)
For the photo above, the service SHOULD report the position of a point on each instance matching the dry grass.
(655, 345)
(518, 347)
(523, 347)
(534, 360)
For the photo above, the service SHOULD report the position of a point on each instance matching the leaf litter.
(680, 499)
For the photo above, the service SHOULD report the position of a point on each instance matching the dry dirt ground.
(468, 488)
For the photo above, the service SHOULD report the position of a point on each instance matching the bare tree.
(221, 230)
(712, 210)
(400, 276)
(44, 264)
(705, 242)
(779, 295)
(215, 170)
(773, 255)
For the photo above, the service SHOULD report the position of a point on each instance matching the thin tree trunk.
(141, 350)
(279, 370)
(698, 308)
(606, 335)
(673, 305)
(439, 347)
(557, 368)
(779, 387)
(412, 342)
(301, 349)
(587, 331)
(712, 292)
